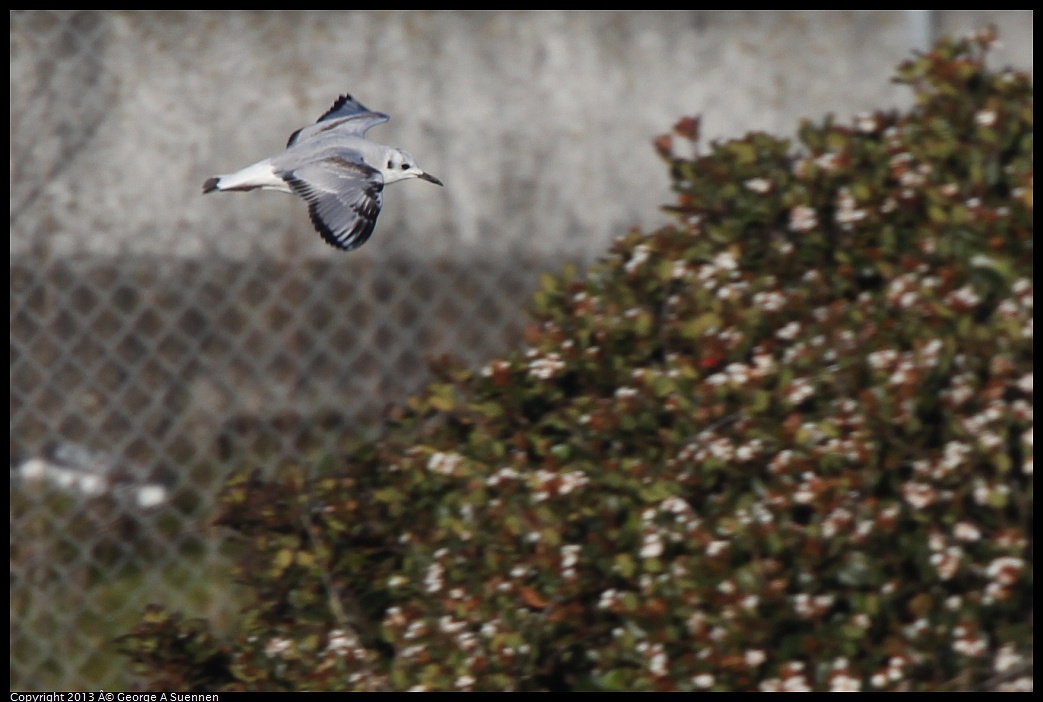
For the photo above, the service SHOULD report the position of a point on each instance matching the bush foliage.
(782, 444)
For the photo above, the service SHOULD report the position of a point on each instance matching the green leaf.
(624, 565)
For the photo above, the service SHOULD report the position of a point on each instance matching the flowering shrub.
(783, 444)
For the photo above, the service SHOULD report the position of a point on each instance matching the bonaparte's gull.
(338, 172)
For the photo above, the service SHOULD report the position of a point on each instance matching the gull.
(338, 172)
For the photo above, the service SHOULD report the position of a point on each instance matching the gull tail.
(259, 175)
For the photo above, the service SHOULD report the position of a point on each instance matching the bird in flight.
(338, 172)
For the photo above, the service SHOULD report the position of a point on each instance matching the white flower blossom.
(546, 368)
(985, 118)
(704, 681)
(847, 213)
(970, 646)
(789, 332)
(1005, 570)
(444, 463)
(827, 161)
(965, 531)
(866, 122)
(569, 555)
(638, 258)
(608, 599)
(277, 646)
(652, 545)
(844, 683)
(657, 665)
(758, 185)
(725, 261)
(803, 219)
(433, 577)
(716, 548)
(341, 641)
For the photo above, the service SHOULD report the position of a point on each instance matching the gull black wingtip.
(210, 185)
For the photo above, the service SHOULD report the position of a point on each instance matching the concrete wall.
(539, 123)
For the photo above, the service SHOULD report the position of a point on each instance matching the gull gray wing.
(347, 114)
(344, 197)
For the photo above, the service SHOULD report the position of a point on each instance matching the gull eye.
(405, 166)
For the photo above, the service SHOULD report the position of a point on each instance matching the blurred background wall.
(538, 122)
(160, 338)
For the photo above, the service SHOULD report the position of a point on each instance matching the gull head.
(400, 165)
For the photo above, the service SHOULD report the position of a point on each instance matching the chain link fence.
(140, 381)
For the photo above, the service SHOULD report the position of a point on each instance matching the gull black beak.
(430, 178)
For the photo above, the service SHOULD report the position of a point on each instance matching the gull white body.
(338, 172)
